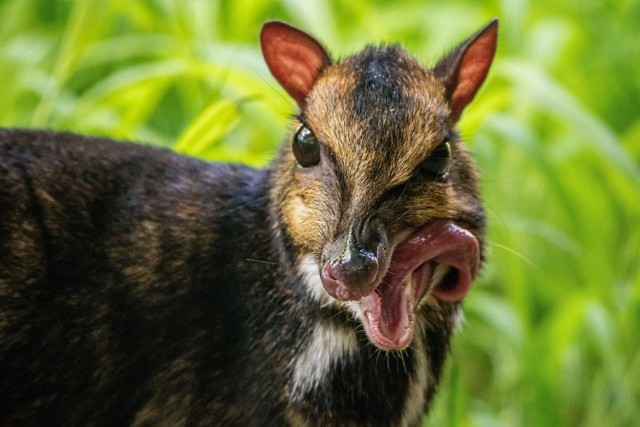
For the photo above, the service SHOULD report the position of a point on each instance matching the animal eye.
(437, 164)
(306, 147)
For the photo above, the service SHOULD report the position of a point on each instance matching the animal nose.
(352, 275)
(355, 263)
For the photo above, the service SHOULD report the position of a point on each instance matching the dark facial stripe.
(378, 97)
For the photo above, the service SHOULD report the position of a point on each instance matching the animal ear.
(294, 58)
(464, 69)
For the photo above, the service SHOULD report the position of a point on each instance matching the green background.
(552, 333)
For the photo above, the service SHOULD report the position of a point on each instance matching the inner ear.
(465, 68)
(294, 58)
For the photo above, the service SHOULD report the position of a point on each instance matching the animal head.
(375, 191)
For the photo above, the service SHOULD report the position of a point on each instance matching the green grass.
(551, 337)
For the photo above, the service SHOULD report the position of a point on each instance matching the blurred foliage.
(551, 334)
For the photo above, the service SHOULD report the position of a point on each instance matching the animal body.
(140, 287)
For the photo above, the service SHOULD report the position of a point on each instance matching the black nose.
(354, 263)
(356, 269)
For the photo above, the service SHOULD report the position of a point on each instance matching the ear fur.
(464, 69)
(294, 58)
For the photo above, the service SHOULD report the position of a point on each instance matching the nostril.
(329, 281)
(328, 272)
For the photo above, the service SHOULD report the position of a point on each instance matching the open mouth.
(441, 258)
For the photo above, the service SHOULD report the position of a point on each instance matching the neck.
(333, 371)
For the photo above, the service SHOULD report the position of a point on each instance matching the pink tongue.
(389, 309)
(394, 311)
(396, 300)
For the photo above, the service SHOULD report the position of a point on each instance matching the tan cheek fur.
(309, 206)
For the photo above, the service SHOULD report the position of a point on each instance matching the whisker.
(260, 261)
(514, 252)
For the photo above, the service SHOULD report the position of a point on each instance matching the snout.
(355, 264)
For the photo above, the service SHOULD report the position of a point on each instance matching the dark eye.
(306, 147)
(437, 164)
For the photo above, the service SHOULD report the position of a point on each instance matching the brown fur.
(140, 287)
(357, 167)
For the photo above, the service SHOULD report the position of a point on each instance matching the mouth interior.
(441, 258)
(448, 283)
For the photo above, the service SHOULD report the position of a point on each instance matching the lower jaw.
(414, 291)
(398, 339)
(378, 339)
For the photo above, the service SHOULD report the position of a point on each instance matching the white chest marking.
(328, 345)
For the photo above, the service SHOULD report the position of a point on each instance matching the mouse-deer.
(140, 287)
